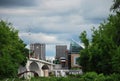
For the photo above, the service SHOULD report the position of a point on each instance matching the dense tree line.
(12, 50)
(102, 53)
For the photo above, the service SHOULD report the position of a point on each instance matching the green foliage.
(102, 54)
(92, 76)
(116, 61)
(89, 76)
(116, 5)
(54, 79)
(113, 77)
(56, 61)
(12, 50)
(84, 39)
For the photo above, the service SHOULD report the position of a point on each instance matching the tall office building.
(61, 55)
(61, 51)
(38, 51)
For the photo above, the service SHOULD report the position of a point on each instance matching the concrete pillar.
(27, 75)
(46, 73)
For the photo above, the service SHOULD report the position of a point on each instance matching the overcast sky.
(54, 21)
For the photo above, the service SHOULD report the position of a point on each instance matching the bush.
(100, 77)
(55, 79)
(113, 77)
(90, 76)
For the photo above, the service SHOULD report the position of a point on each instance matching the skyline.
(54, 21)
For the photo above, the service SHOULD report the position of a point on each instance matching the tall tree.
(12, 50)
(116, 5)
(102, 54)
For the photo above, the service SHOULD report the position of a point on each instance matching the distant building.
(74, 54)
(75, 47)
(61, 51)
(61, 55)
(73, 62)
(38, 51)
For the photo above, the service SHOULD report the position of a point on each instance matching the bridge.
(35, 67)
(40, 68)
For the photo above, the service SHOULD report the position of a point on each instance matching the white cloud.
(56, 21)
(95, 8)
(19, 11)
(49, 40)
(59, 5)
(42, 38)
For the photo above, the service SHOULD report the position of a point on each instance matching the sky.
(54, 22)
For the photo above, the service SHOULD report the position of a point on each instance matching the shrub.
(113, 77)
(90, 76)
(100, 77)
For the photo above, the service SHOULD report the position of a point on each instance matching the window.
(76, 60)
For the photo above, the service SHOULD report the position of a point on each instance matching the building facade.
(38, 51)
(61, 55)
(61, 51)
(74, 54)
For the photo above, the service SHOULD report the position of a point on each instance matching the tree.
(12, 50)
(116, 5)
(102, 54)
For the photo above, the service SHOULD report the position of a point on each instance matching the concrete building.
(61, 55)
(74, 61)
(38, 51)
(74, 54)
(61, 51)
